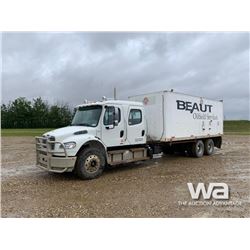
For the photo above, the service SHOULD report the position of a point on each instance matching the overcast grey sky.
(71, 67)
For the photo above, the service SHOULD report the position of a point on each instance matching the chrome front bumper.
(46, 159)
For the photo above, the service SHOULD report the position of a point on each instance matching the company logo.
(191, 107)
(145, 100)
(218, 191)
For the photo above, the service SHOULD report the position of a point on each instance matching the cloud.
(74, 66)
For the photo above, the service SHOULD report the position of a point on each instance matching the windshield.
(87, 116)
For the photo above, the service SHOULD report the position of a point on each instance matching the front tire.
(90, 163)
(209, 147)
(198, 149)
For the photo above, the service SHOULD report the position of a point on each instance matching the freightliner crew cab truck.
(111, 132)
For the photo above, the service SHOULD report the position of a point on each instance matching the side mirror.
(116, 116)
(113, 117)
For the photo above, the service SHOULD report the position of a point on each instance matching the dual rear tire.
(198, 148)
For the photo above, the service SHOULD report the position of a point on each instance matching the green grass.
(240, 127)
(24, 132)
(230, 127)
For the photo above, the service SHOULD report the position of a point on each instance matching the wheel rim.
(92, 163)
(199, 148)
(210, 147)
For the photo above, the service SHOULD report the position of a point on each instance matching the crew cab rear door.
(136, 130)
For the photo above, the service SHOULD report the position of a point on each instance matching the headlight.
(69, 145)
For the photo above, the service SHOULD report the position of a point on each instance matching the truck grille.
(52, 138)
(46, 145)
(49, 138)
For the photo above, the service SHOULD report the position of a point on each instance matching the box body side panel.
(189, 116)
(174, 116)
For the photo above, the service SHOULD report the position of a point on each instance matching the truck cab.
(101, 133)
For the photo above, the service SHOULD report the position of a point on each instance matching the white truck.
(111, 132)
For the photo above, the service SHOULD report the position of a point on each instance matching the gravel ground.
(155, 188)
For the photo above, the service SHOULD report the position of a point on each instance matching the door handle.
(143, 132)
(121, 133)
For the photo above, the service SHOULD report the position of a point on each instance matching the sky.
(74, 66)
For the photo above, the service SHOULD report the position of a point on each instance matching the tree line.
(37, 113)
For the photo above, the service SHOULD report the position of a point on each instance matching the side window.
(135, 117)
(108, 115)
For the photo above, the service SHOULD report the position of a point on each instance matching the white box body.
(173, 116)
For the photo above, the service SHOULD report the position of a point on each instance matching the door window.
(109, 115)
(135, 117)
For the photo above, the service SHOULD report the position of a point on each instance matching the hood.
(62, 133)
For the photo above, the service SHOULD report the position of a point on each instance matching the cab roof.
(111, 102)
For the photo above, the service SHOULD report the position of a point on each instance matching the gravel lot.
(155, 188)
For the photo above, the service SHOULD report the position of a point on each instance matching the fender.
(94, 143)
(84, 141)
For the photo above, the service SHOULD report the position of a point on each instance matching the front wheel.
(90, 163)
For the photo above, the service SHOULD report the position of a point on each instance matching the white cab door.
(112, 136)
(136, 131)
